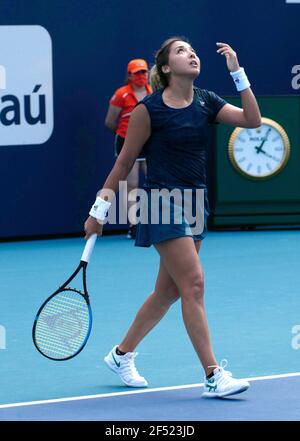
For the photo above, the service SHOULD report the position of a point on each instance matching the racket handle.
(88, 249)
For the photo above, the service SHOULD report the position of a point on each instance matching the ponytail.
(154, 78)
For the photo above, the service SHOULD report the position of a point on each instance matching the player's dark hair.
(158, 78)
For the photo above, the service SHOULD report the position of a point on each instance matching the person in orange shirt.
(121, 105)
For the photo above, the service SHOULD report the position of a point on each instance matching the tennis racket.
(63, 323)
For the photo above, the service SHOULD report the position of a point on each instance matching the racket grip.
(88, 249)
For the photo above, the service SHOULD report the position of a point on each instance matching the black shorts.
(119, 141)
(150, 233)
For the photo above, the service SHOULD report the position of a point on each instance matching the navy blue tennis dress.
(174, 199)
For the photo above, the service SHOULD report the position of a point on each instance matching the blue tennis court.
(269, 399)
(252, 301)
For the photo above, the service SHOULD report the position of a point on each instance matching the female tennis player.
(120, 107)
(173, 125)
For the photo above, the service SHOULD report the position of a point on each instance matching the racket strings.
(63, 325)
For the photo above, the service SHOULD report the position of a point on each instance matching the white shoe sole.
(233, 391)
(115, 370)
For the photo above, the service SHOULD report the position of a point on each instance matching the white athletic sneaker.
(221, 384)
(124, 366)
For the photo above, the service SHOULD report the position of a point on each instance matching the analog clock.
(259, 153)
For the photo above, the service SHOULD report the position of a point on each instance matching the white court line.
(143, 391)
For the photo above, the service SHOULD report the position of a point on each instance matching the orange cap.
(136, 65)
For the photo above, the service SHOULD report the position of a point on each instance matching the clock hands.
(259, 148)
(268, 155)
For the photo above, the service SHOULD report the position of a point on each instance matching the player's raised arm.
(249, 115)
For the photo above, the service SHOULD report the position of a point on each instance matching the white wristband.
(100, 208)
(240, 79)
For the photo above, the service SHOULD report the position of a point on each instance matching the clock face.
(259, 153)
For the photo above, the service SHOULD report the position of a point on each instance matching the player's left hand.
(231, 56)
